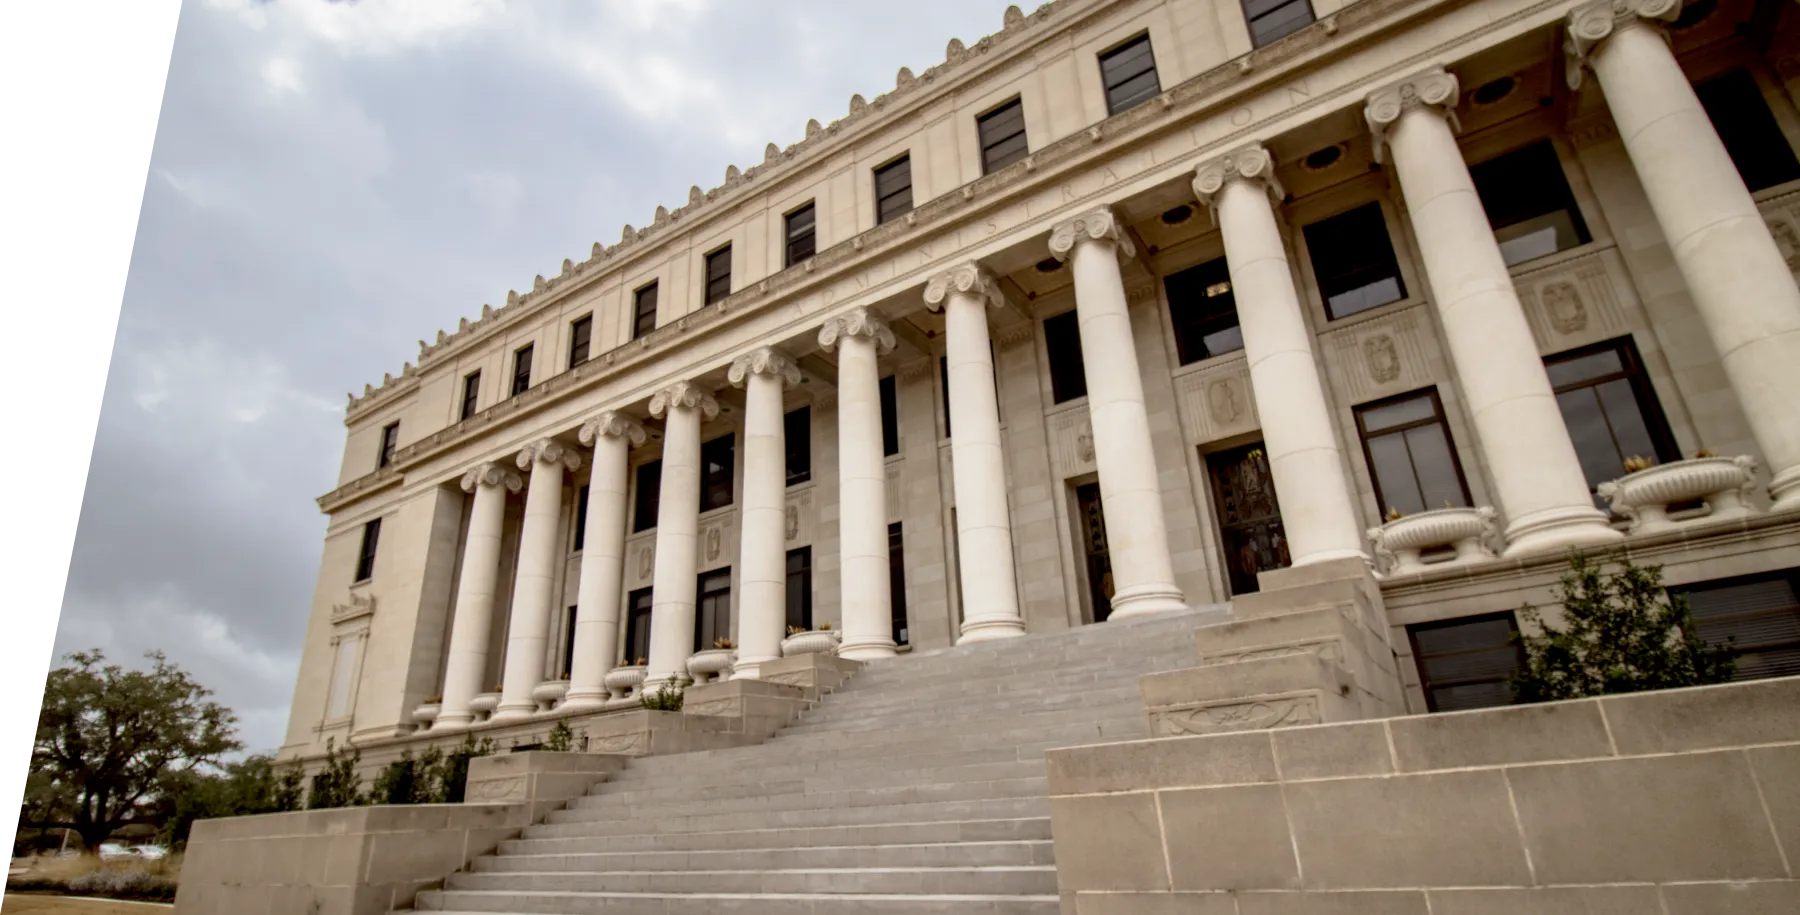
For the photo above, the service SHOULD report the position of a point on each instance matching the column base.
(453, 722)
(514, 711)
(1784, 489)
(867, 649)
(986, 630)
(592, 697)
(1558, 530)
(1144, 600)
(750, 668)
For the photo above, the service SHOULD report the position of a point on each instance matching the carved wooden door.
(1249, 517)
(1093, 543)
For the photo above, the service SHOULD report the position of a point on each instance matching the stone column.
(1537, 478)
(762, 564)
(990, 588)
(473, 617)
(1136, 531)
(529, 635)
(597, 602)
(1318, 513)
(677, 531)
(859, 336)
(1740, 283)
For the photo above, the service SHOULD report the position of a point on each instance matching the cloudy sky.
(333, 180)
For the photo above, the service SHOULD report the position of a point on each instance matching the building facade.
(1103, 315)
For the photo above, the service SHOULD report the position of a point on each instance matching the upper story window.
(581, 507)
(802, 235)
(712, 608)
(1129, 74)
(1407, 443)
(893, 189)
(1275, 19)
(365, 557)
(390, 443)
(890, 417)
(1529, 203)
(1204, 312)
(648, 497)
(716, 472)
(796, 434)
(1353, 261)
(643, 311)
(521, 381)
(1748, 129)
(799, 588)
(471, 395)
(581, 334)
(1610, 409)
(944, 382)
(1002, 136)
(718, 275)
(1466, 663)
(1062, 341)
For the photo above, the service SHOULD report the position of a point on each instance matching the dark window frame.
(718, 486)
(901, 631)
(579, 539)
(802, 241)
(709, 594)
(646, 497)
(1203, 324)
(889, 205)
(390, 444)
(1428, 686)
(639, 607)
(643, 310)
(1637, 375)
(796, 437)
(1438, 419)
(1063, 356)
(1753, 139)
(1117, 73)
(1519, 196)
(1335, 286)
(799, 569)
(1275, 19)
(521, 375)
(1001, 144)
(471, 395)
(717, 279)
(365, 554)
(890, 415)
(581, 339)
(568, 660)
(1788, 645)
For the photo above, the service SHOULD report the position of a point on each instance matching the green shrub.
(667, 699)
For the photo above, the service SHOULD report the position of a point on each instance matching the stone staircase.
(917, 787)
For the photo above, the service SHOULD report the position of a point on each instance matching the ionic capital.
(1251, 164)
(967, 279)
(858, 322)
(764, 360)
(1592, 23)
(549, 451)
(684, 394)
(1098, 224)
(1433, 90)
(612, 424)
(491, 473)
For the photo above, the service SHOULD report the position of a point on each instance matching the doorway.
(1249, 517)
(1092, 522)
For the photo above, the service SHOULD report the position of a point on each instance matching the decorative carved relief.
(360, 605)
(1382, 357)
(1248, 715)
(635, 743)
(1084, 441)
(1573, 302)
(1216, 402)
(893, 492)
(646, 562)
(728, 706)
(499, 789)
(1374, 358)
(1787, 240)
(1562, 305)
(1070, 453)
(712, 543)
(793, 522)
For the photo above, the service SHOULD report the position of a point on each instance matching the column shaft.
(677, 531)
(602, 558)
(862, 482)
(762, 563)
(466, 660)
(528, 638)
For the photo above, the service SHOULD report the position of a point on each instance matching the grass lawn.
(24, 904)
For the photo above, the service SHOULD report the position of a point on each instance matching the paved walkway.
(28, 904)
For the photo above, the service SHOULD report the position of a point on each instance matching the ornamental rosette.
(966, 279)
(764, 360)
(1249, 163)
(548, 451)
(684, 394)
(1592, 23)
(857, 322)
(491, 473)
(1098, 224)
(612, 424)
(1433, 88)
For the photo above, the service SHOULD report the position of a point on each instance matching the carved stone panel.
(798, 522)
(640, 559)
(1574, 302)
(1216, 402)
(1373, 359)
(1071, 443)
(1782, 214)
(895, 508)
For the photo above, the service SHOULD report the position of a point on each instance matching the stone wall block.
(1766, 711)
(1333, 751)
(1362, 903)
(1108, 842)
(1155, 904)
(1778, 897)
(1228, 839)
(1569, 900)
(1179, 762)
(1778, 775)
(1529, 733)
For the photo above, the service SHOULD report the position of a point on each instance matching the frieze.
(1782, 215)
(1216, 401)
(1574, 302)
(1246, 715)
(1072, 443)
(360, 605)
(1377, 357)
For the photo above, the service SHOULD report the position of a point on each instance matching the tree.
(1624, 633)
(253, 785)
(107, 737)
(337, 785)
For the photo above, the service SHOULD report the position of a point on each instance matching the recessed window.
(1321, 159)
(1176, 216)
(1204, 312)
(568, 664)
(802, 235)
(390, 443)
(1048, 265)
(1610, 409)
(581, 507)
(1353, 261)
(1493, 91)
(1002, 134)
(521, 380)
(1271, 20)
(944, 383)
(1129, 74)
(897, 583)
(716, 464)
(1062, 343)
(365, 557)
(890, 417)
(648, 498)
(638, 606)
(799, 588)
(581, 333)
(718, 275)
(1407, 443)
(1756, 617)
(643, 311)
(1529, 203)
(796, 434)
(893, 189)
(712, 609)
(471, 394)
(1466, 663)
(1748, 129)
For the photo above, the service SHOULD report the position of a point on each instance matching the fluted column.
(1130, 493)
(762, 563)
(677, 528)
(1318, 513)
(1537, 478)
(529, 635)
(1741, 285)
(860, 336)
(990, 590)
(466, 660)
(597, 602)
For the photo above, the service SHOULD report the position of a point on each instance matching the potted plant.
(816, 641)
(1402, 540)
(714, 663)
(1647, 491)
(626, 680)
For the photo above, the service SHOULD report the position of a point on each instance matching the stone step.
(935, 854)
(979, 722)
(1085, 641)
(793, 796)
(858, 707)
(747, 782)
(998, 880)
(654, 821)
(764, 761)
(877, 674)
(467, 903)
(1078, 727)
(943, 832)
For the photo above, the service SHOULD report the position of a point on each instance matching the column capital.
(1250, 163)
(490, 473)
(1433, 89)
(858, 322)
(549, 451)
(1592, 23)
(764, 360)
(968, 279)
(612, 424)
(683, 394)
(1098, 224)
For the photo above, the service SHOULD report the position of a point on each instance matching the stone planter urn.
(712, 664)
(817, 641)
(1400, 542)
(548, 693)
(625, 682)
(1644, 497)
(425, 714)
(484, 704)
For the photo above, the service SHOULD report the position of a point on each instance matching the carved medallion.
(712, 543)
(1224, 401)
(1084, 442)
(1562, 305)
(1383, 358)
(793, 522)
(1788, 241)
(645, 557)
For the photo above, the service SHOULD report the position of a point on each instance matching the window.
(1529, 203)
(643, 311)
(649, 496)
(343, 678)
(1609, 408)
(1759, 616)
(712, 609)
(471, 394)
(802, 235)
(1464, 663)
(1748, 129)
(944, 380)
(890, 418)
(893, 189)
(1062, 339)
(521, 371)
(568, 664)
(1271, 20)
(1407, 444)
(1204, 312)
(1129, 74)
(365, 557)
(716, 472)
(799, 588)
(718, 275)
(897, 584)
(638, 605)
(1353, 261)
(1002, 133)
(390, 443)
(581, 506)
(796, 434)
(581, 333)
